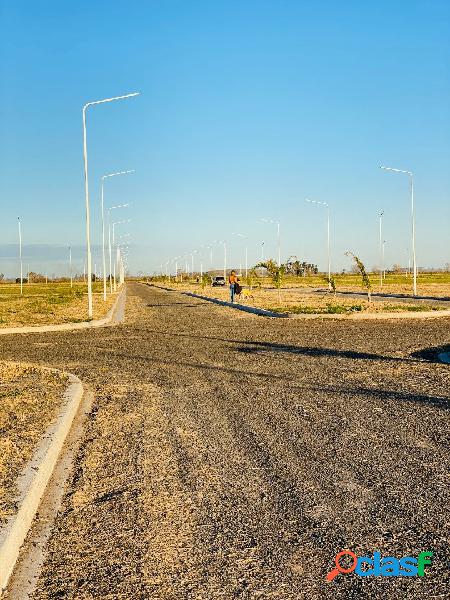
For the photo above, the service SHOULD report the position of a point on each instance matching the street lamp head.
(119, 206)
(110, 99)
(118, 173)
(395, 170)
(317, 202)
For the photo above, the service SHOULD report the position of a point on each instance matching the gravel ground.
(29, 401)
(232, 456)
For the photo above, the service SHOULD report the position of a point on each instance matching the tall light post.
(123, 253)
(224, 244)
(86, 188)
(242, 236)
(262, 251)
(210, 248)
(175, 261)
(114, 244)
(20, 255)
(380, 217)
(408, 259)
(327, 206)
(192, 261)
(70, 266)
(278, 237)
(413, 221)
(103, 178)
(109, 242)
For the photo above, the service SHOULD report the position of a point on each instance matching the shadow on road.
(255, 347)
(182, 304)
(249, 347)
(431, 354)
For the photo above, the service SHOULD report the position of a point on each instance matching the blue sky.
(247, 108)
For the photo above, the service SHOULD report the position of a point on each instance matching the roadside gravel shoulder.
(30, 399)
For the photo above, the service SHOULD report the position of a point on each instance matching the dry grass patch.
(302, 301)
(29, 399)
(50, 304)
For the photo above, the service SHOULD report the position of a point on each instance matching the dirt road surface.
(232, 456)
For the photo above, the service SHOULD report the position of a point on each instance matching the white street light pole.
(328, 235)
(86, 188)
(211, 256)
(262, 251)
(20, 255)
(70, 266)
(246, 262)
(407, 263)
(279, 245)
(246, 252)
(224, 258)
(114, 244)
(109, 242)
(103, 224)
(380, 217)
(413, 221)
(278, 237)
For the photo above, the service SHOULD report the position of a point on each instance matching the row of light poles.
(103, 178)
(86, 185)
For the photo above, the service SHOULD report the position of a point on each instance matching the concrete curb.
(386, 295)
(360, 316)
(67, 326)
(35, 478)
(348, 316)
(251, 309)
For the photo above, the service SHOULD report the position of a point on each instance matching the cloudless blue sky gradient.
(247, 108)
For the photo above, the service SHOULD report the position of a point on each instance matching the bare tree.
(362, 270)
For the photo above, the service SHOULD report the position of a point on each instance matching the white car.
(218, 281)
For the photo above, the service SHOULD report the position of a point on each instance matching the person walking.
(233, 280)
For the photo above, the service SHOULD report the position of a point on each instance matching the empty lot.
(232, 456)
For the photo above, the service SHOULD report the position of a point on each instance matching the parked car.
(218, 281)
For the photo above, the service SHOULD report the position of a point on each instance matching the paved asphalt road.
(232, 456)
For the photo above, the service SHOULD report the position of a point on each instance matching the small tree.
(276, 273)
(252, 278)
(206, 280)
(361, 269)
(331, 282)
